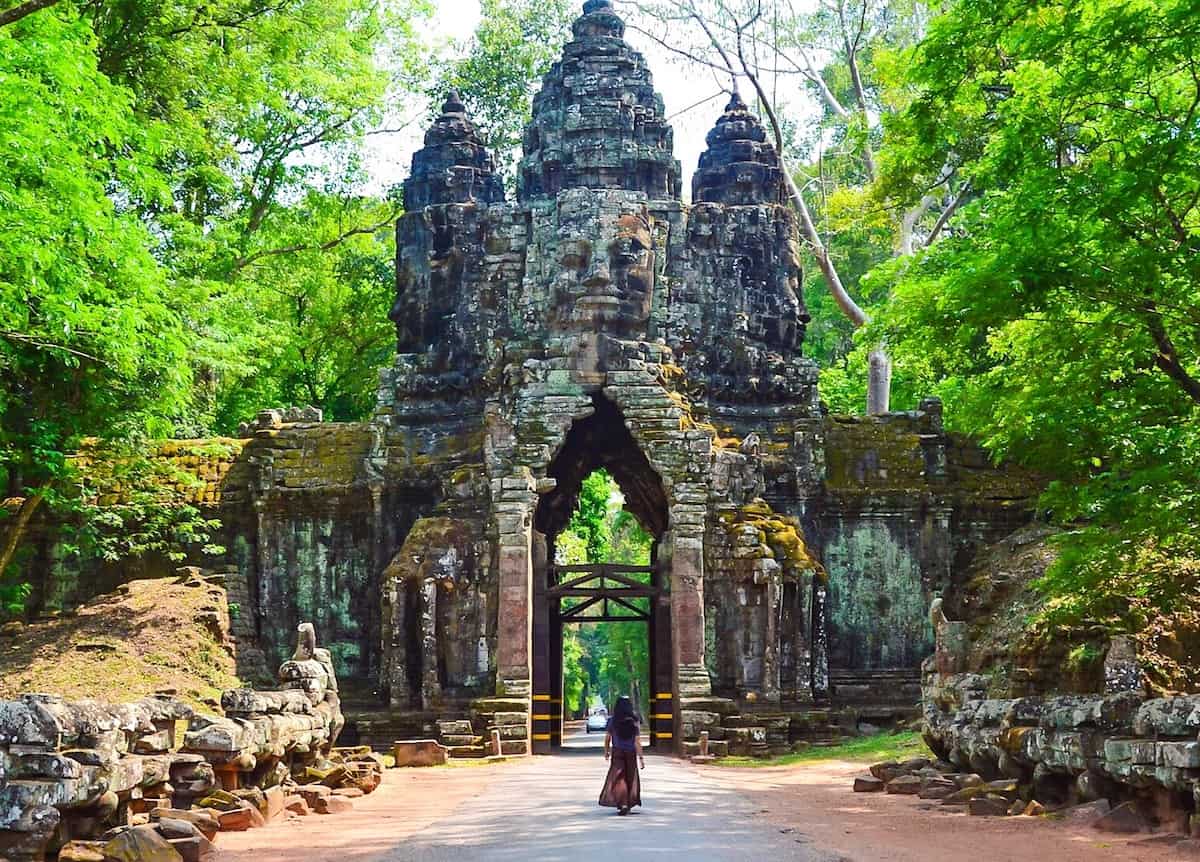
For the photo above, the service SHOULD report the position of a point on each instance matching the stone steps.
(455, 740)
(901, 686)
(468, 752)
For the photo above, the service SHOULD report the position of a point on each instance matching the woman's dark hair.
(624, 718)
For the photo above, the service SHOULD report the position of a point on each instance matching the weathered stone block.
(419, 752)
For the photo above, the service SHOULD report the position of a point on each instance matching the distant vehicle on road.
(597, 719)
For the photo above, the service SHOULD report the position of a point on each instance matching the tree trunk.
(15, 14)
(16, 530)
(879, 382)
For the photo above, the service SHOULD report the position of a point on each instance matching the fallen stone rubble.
(1118, 761)
(152, 780)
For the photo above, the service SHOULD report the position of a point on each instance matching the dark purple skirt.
(622, 785)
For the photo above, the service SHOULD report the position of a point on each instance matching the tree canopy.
(1008, 191)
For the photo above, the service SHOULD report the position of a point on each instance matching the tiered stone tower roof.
(598, 123)
(454, 166)
(740, 165)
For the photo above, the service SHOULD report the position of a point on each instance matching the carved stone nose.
(598, 275)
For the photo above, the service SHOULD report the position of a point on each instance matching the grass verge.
(867, 749)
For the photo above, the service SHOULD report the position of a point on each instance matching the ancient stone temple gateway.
(597, 321)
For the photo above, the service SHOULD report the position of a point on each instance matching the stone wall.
(1069, 749)
(80, 773)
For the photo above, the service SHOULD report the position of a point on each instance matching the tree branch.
(807, 227)
(947, 212)
(12, 538)
(243, 262)
(1167, 358)
(16, 13)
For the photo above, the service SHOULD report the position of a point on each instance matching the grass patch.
(868, 749)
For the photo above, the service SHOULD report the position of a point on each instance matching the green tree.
(612, 657)
(92, 336)
(1058, 316)
(500, 68)
(183, 238)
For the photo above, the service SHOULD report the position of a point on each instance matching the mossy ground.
(147, 637)
(866, 749)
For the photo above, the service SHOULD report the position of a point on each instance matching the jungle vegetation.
(1007, 190)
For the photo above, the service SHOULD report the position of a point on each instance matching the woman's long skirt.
(622, 786)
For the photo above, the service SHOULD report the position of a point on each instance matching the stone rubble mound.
(152, 780)
(1118, 761)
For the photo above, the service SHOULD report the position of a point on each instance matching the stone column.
(543, 659)
(773, 595)
(514, 633)
(431, 687)
(687, 605)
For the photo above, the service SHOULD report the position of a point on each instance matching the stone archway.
(600, 440)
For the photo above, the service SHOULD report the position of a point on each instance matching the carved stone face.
(605, 272)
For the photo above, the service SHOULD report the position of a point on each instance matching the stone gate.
(598, 321)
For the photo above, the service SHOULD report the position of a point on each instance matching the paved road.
(545, 809)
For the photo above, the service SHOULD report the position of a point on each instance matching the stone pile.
(269, 419)
(70, 769)
(971, 793)
(153, 780)
(1119, 759)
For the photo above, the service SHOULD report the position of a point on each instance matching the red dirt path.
(812, 800)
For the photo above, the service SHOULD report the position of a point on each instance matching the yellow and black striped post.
(662, 705)
(662, 716)
(556, 717)
(543, 723)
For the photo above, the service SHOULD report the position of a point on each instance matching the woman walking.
(623, 749)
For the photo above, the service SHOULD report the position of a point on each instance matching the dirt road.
(544, 808)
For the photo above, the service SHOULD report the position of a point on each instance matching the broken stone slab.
(964, 796)
(333, 805)
(868, 784)
(908, 785)
(1124, 819)
(295, 804)
(240, 819)
(140, 844)
(419, 752)
(82, 851)
(459, 727)
(194, 849)
(310, 793)
(205, 823)
(1181, 755)
(247, 702)
(936, 788)
(1004, 787)
(988, 806)
(1088, 812)
(885, 771)
(25, 832)
(1168, 716)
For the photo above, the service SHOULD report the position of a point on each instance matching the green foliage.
(611, 658)
(513, 46)
(12, 598)
(866, 749)
(124, 501)
(92, 338)
(1058, 320)
(592, 519)
(183, 238)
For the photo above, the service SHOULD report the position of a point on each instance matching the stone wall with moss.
(898, 509)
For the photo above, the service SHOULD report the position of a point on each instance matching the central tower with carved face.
(598, 321)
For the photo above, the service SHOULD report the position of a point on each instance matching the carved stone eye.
(574, 254)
